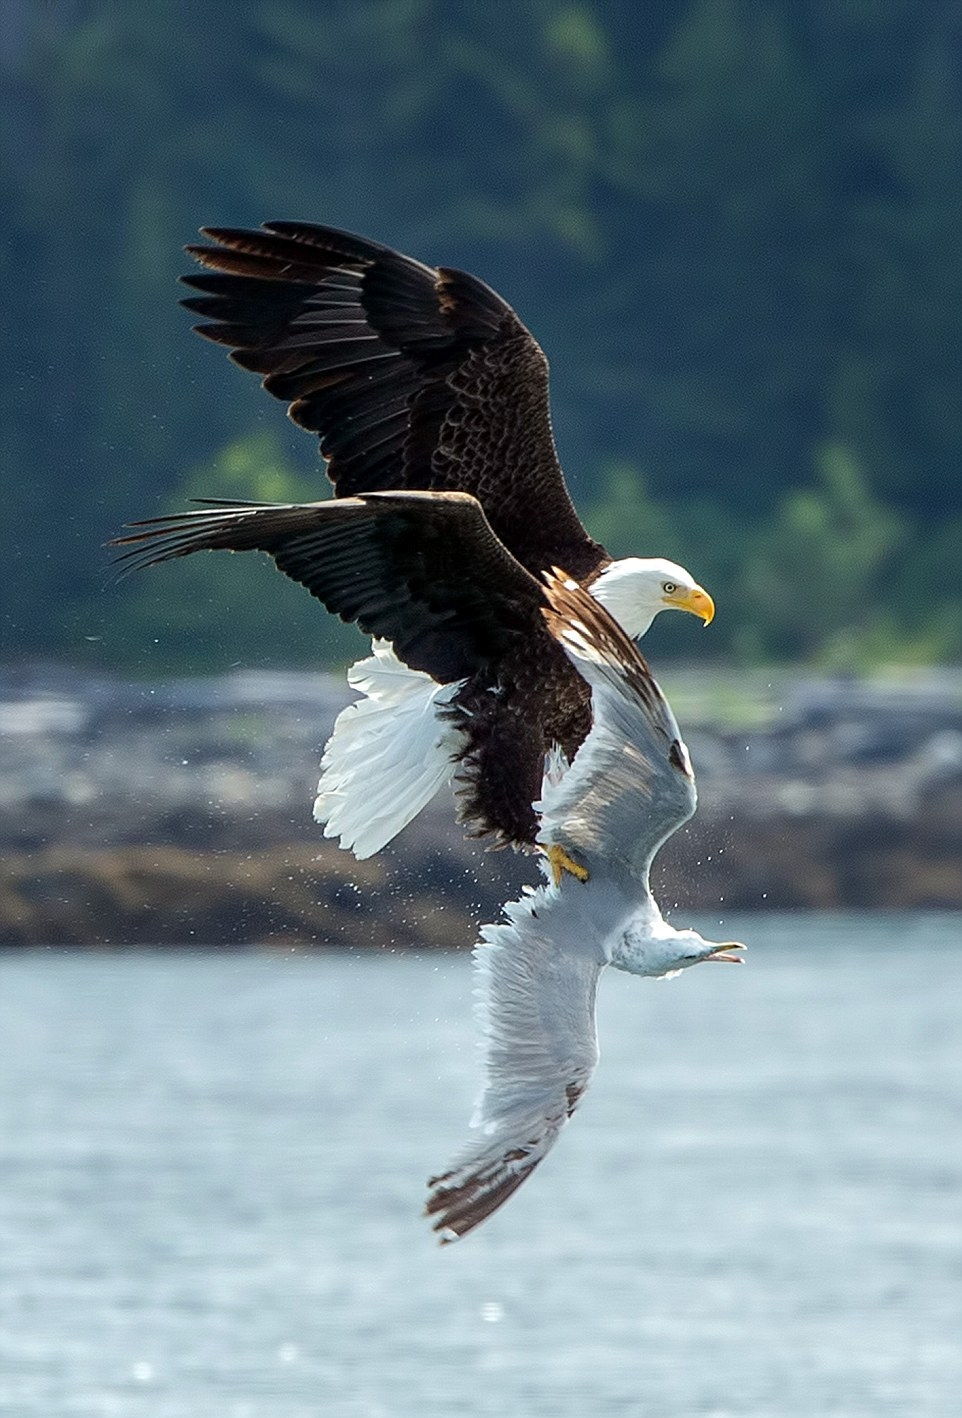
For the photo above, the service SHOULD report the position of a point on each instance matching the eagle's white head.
(636, 588)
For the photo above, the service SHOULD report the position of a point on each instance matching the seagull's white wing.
(538, 974)
(631, 784)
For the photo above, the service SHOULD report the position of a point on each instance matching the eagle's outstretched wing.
(421, 569)
(413, 377)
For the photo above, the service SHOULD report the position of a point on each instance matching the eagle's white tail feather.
(389, 753)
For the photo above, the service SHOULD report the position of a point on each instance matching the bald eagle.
(431, 401)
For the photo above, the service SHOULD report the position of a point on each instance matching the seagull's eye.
(668, 587)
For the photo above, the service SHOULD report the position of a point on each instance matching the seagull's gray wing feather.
(538, 974)
(631, 784)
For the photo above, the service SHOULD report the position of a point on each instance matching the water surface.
(212, 1166)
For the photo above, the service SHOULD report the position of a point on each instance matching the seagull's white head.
(657, 949)
(636, 588)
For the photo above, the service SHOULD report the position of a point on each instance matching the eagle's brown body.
(507, 736)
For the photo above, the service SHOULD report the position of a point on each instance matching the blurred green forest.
(734, 225)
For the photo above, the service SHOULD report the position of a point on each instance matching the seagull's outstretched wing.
(413, 377)
(421, 569)
(538, 974)
(631, 784)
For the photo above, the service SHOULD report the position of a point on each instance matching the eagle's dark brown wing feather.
(414, 378)
(423, 570)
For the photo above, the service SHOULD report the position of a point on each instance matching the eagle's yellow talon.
(561, 863)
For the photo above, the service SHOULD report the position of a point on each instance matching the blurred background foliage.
(734, 225)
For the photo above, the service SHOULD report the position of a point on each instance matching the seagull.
(629, 788)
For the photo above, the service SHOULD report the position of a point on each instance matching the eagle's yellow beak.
(696, 600)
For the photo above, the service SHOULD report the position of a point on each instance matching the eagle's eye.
(668, 587)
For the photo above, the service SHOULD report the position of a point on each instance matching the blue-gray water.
(212, 1168)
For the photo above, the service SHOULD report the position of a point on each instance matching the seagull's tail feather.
(389, 753)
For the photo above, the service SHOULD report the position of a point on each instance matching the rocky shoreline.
(178, 813)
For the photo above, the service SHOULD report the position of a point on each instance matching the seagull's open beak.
(696, 600)
(725, 951)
